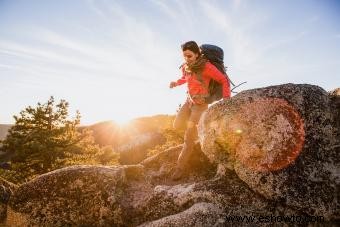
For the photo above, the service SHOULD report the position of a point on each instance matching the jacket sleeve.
(215, 74)
(182, 80)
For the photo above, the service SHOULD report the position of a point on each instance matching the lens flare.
(238, 131)
(266, 134)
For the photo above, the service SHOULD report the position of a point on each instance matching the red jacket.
(195, 87)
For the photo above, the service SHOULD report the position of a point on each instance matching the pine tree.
(43, 138)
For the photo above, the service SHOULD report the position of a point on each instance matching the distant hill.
(4, 130)
(111, 133)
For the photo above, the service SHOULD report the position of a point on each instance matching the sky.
(114, 60)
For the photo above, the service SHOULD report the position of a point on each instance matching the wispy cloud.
(56, 62)
(128, 57)
(284, 41)
(244, 51)
(237, 3)
(249, 53)
(97, 10)
(143, 46)
(184, 15)
(164, 7)
(41, 54)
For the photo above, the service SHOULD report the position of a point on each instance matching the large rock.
(78, 195)
(283, 141)
(125, 196)
(209, 203)
(160, 167)
(100, 196)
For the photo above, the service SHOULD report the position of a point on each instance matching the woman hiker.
(197, 72)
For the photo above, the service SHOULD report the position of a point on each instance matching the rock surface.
(122, 196)
(265, 152)
(283, 141)
(199, 214)
(77, 195)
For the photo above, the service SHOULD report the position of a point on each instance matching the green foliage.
(107, 156)
(44, 139)
(173, 138)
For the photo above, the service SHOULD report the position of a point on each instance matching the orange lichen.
(266, 134)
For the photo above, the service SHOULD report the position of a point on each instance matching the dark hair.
(191, 45)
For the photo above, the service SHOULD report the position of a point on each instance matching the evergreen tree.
(44, 138)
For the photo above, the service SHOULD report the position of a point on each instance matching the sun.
(122, 122)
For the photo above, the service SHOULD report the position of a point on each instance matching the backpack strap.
(198, 68)
(200, 79)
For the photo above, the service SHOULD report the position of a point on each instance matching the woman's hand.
(172, 84)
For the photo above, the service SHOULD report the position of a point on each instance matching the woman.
(197, 72)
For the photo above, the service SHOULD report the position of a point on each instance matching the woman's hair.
(191, 45)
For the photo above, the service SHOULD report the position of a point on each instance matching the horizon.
(113, 61)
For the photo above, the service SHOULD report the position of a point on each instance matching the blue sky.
(113, 60)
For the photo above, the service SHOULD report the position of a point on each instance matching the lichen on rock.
(283, 141)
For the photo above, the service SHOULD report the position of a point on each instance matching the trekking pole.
(234, 86)
(232, 90)
(231, 82)
(225, 70)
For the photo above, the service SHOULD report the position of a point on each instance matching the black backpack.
(215, 56)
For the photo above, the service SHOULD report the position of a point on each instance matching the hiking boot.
(178, 174)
